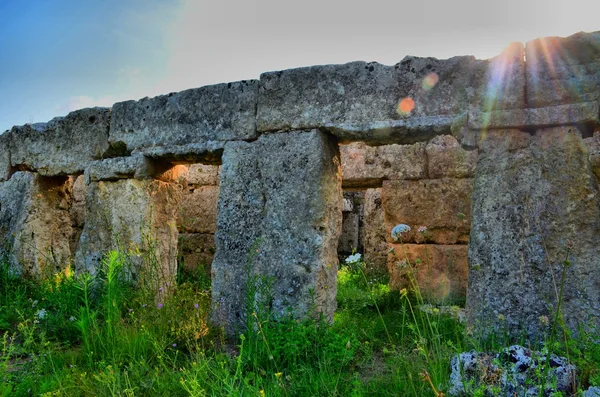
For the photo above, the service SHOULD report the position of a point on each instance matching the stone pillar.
(135, 216)
(533, 196)
(35, 224)
(374, 233)
(278, 224)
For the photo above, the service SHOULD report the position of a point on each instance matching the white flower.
(422, 229)
(72, 318)
(398, 230)
(353, 258)
(41, 314)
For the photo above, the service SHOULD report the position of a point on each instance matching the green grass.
(78, 336)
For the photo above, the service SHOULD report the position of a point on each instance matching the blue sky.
(60, 55)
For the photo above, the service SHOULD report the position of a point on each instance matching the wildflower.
(35, 302)
(403, 292)
(278, 374)
(353, 259)
(41, 314)
(262, 392)
(130, 310)
(144, 305)
(160, 305)
(422, 229)
(71, 319)
(398, 230)
(544, 320)
(160, 289)
(402, 264)
(196, 305)
(501, 317)
(570, 245)
(174, 345)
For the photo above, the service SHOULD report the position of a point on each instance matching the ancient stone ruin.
(494, 164)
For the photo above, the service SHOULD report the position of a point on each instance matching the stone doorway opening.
(425, 185)
(197, 221)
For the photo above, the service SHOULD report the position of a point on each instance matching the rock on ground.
(516, 371)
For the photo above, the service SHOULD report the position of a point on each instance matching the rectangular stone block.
(62, 146)
(563, 70)
(593, 146)
(368, 166)
(196, 252)
(219, 112)
(138, 218)
(374, 233)
(349, 239)
(360, 93)
(278, 225)
(439, 271)
(35, 226)
(5, 166)
(447, 159)
(202, 175)
(198, 210)
(573, 113)
(534, 199)
(113, 168)
(441, 205)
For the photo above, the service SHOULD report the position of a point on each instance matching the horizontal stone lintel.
(578, 113)
(405, 131)
(209, 152)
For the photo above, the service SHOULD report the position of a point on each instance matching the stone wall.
(500, 154)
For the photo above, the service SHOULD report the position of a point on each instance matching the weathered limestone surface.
(202, 175)
(35, 223)
(5, 156)
(440, 271)
(447, 159)
(532, 196)
(563, 69)
(77, 211)
(593, 145)
(569, 114)
(136, 216)
(368, 166)
(351, 239)
(360, 93)
(374, 232)
(198, 210)
(442, 205)
(219, 112)
(64, 145)
(280, 214)
(207, 152)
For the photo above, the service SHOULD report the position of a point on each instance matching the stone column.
(137, 217)
(35, 224)
(278, 224)
(533, 196)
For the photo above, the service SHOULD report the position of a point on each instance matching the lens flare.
(406, 106)
(430, 81)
